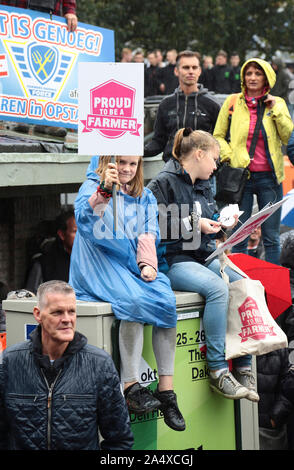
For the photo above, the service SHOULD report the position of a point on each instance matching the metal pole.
(114, 201)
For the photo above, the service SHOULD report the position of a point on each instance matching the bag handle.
(230, 114)
(225, 261)
(260, 112)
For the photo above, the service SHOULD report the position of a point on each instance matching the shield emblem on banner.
(43, 61)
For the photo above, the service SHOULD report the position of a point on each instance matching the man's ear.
(36, 313)
(60, 233)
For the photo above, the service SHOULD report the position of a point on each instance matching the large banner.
(39, 65)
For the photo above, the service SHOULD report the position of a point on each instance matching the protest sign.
(247, 228)
(38, 65)
(111, 108)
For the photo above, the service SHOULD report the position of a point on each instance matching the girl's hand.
(148, 273)
(208, 226)
(111, 176)
(230, 227)
(270, 101)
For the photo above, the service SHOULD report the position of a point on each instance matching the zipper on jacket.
(49, 407)
(195, 111)
(185, 111)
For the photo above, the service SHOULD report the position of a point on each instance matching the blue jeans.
(207, 281)
(267, 190)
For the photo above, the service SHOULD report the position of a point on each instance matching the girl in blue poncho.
(121, 268)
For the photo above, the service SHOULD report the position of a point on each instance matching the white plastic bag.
(251, 328)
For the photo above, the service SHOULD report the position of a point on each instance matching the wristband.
(106, 190)
(106, 193)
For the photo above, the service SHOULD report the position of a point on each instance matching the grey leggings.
(131, 346)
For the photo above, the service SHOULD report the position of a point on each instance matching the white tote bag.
(251, 328)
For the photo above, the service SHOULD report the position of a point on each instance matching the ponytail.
(177, 147)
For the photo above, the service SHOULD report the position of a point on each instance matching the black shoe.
(140, 400)
(169, 407)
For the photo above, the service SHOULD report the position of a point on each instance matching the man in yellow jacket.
(235, 129)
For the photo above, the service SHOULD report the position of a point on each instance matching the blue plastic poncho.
(104, 265)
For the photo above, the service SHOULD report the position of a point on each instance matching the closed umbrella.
(274, 278)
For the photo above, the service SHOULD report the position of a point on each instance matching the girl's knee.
(221, 285)
(220, 289)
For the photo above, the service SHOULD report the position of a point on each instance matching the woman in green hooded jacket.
(267, 165)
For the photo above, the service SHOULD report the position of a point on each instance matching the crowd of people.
(219, 74)
(191, 129)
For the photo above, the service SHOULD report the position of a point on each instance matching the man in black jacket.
(274, 382)
(56, 391)
(169, 80)
(54, 262)
(235, 73)
(151, 84)
(189, 106)
(221, 74)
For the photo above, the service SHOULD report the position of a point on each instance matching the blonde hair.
(136, 186)
(186, 140)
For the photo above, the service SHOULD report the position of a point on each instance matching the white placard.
(111, 108)
(247, 228)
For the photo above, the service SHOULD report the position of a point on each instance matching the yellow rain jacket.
(276, 127)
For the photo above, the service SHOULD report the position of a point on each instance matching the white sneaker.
(247, 379)
(227, 386)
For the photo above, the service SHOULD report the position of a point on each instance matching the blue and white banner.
(39, 65)
(287, 216)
